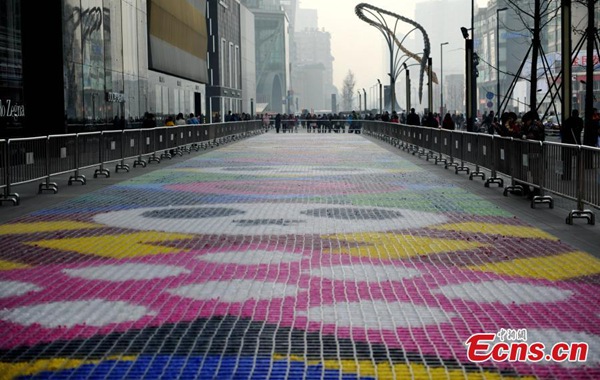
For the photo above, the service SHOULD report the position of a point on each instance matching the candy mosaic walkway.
(287, 257)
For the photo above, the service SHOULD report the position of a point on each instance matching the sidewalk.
(290, 256)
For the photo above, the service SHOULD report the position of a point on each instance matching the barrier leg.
(48, 186)
(461, 168)
(102, 171)
(494, 179)
(8, 197)
(477, 173)
(581, 212)
(122, 166)
(514, 188)
(76, 177)
(542, 198)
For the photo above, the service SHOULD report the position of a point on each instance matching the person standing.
(570, 133)
(266, 121)
(590, 131)
(180, 120)
(278, 122)
(488, 122)
(149, 120)
(413, 118)
(432, 122)
(192, 119)
(448, 122)
(532, 128)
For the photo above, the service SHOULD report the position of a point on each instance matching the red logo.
(511, 345)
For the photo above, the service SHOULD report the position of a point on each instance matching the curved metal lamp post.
(377, 19)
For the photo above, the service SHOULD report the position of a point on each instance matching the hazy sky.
(359, 47)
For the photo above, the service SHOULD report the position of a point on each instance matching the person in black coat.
(413, 118)
(278, 122)
(571, 129)
(570, 133)
(590, 132)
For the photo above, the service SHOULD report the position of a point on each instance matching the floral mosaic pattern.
(298, 256)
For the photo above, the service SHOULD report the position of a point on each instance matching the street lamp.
(407, 87)
(380, 97)
(470, 86)
(430, 85)
(392, 91)
(498, 102)
(442, 76)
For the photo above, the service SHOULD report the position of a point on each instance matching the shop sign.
(115, 97)
(8, 108)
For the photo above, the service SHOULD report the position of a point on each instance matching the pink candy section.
(446, 340)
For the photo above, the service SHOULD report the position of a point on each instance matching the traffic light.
(475, 64)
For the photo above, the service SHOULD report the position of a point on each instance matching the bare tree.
(348, 91)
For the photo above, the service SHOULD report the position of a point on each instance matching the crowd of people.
(351, 120)
(510, 124)
(528, 126)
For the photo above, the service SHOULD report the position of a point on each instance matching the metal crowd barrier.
(25, 160)
(569, 171)
(459, 152)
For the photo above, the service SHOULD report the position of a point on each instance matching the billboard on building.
(178, 38)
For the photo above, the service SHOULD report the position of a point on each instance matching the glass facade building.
(11, 67)
(272, 56)
(105, 63)
(225, 68)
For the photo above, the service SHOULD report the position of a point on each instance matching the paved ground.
(290, 256)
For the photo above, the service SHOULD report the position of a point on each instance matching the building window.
(230, 65)
(222, 53)
(158, 99)
(236, 64)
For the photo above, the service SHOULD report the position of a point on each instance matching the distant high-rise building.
(313, 70)
(312, 67)
(272, 47)
(306, 19)
(248, 60)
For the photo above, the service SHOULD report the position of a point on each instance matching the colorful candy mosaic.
(318, 256)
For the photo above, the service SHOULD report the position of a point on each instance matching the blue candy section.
(208, 367)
